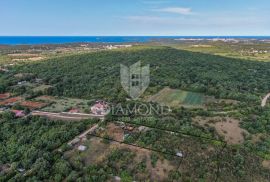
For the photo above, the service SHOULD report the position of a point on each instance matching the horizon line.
(134, 35)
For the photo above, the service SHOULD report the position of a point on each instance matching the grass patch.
(62, 104)
(41, 88)
(176, 98)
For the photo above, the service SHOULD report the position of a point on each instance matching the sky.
(134, 17)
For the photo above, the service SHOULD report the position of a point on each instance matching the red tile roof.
(4, 96)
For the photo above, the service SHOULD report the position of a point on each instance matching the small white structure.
(117, 178)
(82, 148)
(179, 154)
(22, 82)
(21, 170)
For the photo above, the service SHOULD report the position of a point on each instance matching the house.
(18, 113)
(100, 108)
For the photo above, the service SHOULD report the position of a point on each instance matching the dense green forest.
(97, 75)
(29, 146)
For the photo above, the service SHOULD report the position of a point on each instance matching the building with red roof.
(100, 108)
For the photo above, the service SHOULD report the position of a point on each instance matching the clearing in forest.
(63, 104)
(11, 101)
(33, 105)
(175, 98)
(41, 88)
(227, 127)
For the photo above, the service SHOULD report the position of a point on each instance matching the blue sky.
(135, 17)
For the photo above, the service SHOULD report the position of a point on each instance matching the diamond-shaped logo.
(135, 79)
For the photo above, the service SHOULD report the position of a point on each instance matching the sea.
(33, 40)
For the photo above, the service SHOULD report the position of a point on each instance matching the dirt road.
(265, 100)
(83, 135)
(66, 116)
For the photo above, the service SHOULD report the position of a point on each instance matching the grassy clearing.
(64, 104)
(176, 98)
(41, 88)
(238, 51)
(194, 98)
(228, 128)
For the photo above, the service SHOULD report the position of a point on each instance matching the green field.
(41, 88)
(176, 98)
(230, 50)
(63, 104)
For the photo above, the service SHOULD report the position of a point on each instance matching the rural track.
(66, 116)
(84, 134)
(265, 100)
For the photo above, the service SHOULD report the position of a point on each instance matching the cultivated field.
(176, 98)
(11, 100)
(33, 105)
(4, 96)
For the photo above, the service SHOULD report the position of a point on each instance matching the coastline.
(37, 40)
